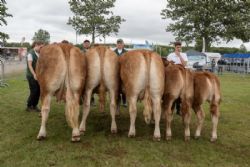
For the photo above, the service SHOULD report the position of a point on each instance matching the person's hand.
(178, 54)
(34, 75)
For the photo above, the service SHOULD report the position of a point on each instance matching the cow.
(194, 88)
(61, 71)
(103, 73)
(206, 88)
(178, 83)
(142, 76)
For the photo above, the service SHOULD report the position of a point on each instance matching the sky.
(143, 22)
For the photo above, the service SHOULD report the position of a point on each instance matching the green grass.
(98, 147)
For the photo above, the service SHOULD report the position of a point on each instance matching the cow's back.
(57, 64)
(206, 87)
(139, 69)
(102, 66)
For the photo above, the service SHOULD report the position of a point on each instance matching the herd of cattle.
(70, 75)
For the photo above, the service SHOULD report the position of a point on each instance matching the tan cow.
(142, 75)
(194, 88)
(178, 83)
(206, 88)
(102, 72)
(61, 71)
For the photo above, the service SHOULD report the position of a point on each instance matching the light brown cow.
(61, 71)
(206, 88)
(102, 72)
(194, 88)
(178, 83)
(142, 75)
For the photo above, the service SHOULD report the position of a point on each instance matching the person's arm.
(182, 59)
(31, 69)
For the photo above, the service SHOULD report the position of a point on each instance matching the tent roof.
(237, 55)
(194, 53)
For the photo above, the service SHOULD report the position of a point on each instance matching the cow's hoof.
(157, 138)
(40, 138)
(147, 121)
(131, 135)
(187, 138)
(114, 131)
(196, 137)
(168, 138)
(75, 139)
(82, 132)
(213, 140)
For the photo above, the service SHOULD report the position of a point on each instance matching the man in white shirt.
(178, 58)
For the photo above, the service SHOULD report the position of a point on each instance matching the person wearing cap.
(86, 45)
(120, 47)
(119, 51)
(178, 58)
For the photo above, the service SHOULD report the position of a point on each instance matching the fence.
(2, 81)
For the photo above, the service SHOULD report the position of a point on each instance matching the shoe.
(36, 109)
(178, 112)
(33, 109)
(29, 109)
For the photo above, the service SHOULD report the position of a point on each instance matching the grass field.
(98, 147)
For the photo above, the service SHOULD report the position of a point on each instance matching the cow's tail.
(147, 112)
(72, 103)
(102, 88)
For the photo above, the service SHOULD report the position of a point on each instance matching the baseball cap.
(119, 41)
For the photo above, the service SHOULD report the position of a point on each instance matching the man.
(86, 45)
(31, 77)
(178, 58)
(120, 47)
(119, 51)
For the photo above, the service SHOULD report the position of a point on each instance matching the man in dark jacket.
(119, 51)
(31, 77)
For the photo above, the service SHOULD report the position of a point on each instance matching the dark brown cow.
(61, 71)
(102, 72)
(142, 75)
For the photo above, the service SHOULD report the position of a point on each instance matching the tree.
(42, 35)
(208, 19)
(3, 15)
(243, 48)
(94, 17)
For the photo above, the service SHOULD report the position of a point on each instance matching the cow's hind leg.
(167, 105)
(113, 110)
(86, 109)
(45, 113)
(157, 116)
(214, 110)
(132, 113)
(200, 117)
(186, 116)
(72, 113)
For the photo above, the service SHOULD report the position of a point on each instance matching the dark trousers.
(34, 92)
(177, 105)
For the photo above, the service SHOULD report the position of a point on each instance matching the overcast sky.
(143, 21)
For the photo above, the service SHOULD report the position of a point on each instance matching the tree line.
(193, 21)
